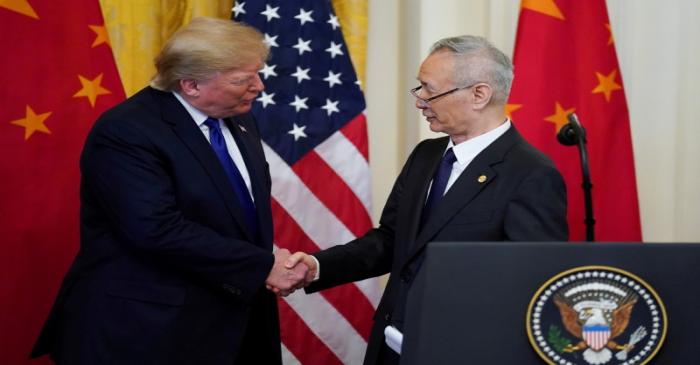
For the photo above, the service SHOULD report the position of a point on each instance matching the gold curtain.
(352, 15)
(138, 28)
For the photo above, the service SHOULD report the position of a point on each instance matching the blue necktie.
(239, 187)
(442, 175)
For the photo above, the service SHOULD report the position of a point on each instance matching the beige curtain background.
(658, 51)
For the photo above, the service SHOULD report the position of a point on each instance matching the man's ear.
(189, 87)
(481, 95)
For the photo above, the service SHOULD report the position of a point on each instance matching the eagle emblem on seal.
(596, 315)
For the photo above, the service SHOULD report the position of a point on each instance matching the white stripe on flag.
(288, 358)
(329, 326)
(319, 223)
(370, 288)
(347, 161)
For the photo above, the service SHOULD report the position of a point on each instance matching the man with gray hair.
(176, 225)
(482, 182)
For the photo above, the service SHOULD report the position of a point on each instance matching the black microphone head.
(573, 119)
(567, 135)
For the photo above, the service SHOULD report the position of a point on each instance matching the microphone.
(570, 134)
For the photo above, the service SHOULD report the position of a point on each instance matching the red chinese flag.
(58, 75)
(565, 62)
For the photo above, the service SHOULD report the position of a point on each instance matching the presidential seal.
(595, 315)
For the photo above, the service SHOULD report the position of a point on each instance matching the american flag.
(311, 118)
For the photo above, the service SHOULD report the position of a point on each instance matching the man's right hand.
(284, 279)
(306, 259)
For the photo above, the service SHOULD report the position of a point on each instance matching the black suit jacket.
(167, 272)
(510, 191)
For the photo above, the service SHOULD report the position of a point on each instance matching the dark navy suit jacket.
(167, 272)
(510, 191)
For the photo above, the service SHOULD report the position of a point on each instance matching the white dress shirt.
(469, 149)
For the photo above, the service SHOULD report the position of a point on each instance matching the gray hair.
(204, 47)
(479, 61)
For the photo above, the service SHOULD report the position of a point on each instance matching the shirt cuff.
(318, 268)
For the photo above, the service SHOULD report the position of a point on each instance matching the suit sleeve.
(370, 255)
(128, 177)
(537, 211)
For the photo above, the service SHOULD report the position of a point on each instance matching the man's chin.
(241, 109)
(434, 125)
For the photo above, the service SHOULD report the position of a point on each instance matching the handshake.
(290, 272)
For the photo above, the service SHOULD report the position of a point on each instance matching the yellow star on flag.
(559, 118)
(606, 84)
(546, 7)
(102, 36)
(510, 108)
(611, 40)
(91, 89)
(20, 6)
(32, 122)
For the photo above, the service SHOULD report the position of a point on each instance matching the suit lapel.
(248, 144)
(175, 114)
(427, 165)
(478, 175)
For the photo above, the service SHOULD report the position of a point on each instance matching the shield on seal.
(596, 336)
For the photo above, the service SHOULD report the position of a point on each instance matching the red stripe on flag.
(347, 299)
(288, 234)
(333, 192)
(353, 305)
(356, 132)
(309, 351)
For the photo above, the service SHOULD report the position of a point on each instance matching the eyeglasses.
(426, 102)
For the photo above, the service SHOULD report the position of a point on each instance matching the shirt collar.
(467, 150)
(195, 113)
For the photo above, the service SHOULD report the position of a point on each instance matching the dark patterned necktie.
(442, 175)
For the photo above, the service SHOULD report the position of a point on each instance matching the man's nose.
(257, 84)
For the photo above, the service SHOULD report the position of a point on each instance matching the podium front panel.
(469, 302)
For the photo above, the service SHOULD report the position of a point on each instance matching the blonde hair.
(204, 47)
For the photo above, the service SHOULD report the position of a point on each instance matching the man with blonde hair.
(176, 228)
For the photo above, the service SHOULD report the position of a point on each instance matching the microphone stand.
(571, 134)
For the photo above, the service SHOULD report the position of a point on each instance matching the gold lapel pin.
(481, 179)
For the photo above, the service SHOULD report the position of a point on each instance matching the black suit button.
(387, 317)
(406, 276)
